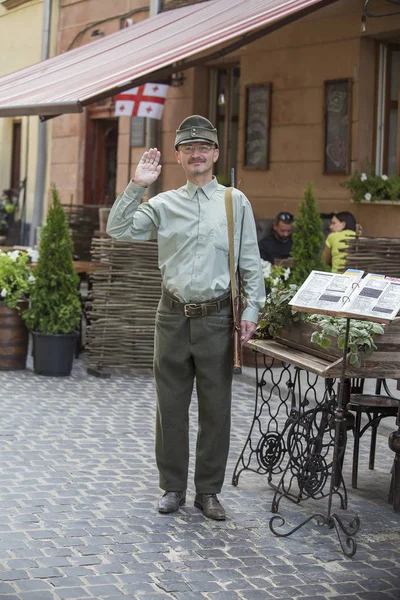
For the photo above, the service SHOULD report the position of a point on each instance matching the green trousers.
(189, 350)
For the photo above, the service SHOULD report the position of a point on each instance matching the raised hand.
(148, 168)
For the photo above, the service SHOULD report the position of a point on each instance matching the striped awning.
(153, 49)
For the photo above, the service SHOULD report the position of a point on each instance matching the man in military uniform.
(193, 337)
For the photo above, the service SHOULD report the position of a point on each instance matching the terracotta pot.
(13, 339)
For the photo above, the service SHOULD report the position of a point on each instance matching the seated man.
(278, 245)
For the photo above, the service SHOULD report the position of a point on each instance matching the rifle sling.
(232, 270)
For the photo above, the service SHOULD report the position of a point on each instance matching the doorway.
(101, 161)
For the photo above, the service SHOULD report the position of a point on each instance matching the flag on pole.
(144, 101)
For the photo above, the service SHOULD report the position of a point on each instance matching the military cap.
(196, 129)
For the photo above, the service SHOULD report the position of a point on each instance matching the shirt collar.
(208, 189)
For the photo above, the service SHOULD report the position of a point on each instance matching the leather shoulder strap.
(229, 217)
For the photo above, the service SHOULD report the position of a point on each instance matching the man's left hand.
(247, 329)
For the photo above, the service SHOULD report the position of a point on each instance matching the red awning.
(152, 49)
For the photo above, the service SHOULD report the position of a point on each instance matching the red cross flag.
(144, 101)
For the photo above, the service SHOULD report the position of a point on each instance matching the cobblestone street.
(78, 515)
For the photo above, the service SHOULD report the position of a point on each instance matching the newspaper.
(327, 291)
(375, 296)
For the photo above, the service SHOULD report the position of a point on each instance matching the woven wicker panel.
(374, 255)
(125, 291)
(83, 222)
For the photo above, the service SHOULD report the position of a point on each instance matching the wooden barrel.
(13, 339)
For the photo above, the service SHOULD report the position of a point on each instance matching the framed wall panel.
(258, 124)
(337, 138)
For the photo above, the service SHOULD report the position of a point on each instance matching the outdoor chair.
(375, 407)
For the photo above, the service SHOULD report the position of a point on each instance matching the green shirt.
(337, 243)
(191, 228)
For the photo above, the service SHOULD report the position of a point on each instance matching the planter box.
(379, 202)
(298, 336)
(384, 361)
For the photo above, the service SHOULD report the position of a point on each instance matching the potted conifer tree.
(308, 240)
(55, 307)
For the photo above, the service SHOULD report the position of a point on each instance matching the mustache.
(196, 160)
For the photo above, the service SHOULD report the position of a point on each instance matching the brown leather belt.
(202, 309)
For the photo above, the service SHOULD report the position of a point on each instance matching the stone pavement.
(78, 515)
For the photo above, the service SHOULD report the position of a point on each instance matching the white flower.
(368, 196)
(31, 279)
(266, 268)
(276, 281)
(3, 293)
(13, 255)
(363, 177)
(33, 254)
(384, 177)
(286, 274)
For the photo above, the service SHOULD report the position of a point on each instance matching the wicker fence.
(123, 299)
(374, 255)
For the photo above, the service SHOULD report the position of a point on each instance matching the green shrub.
(55, 305)
(16, 279)
(308, 240)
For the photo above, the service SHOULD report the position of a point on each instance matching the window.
(224, 113)
(387, 131)
(257, 128)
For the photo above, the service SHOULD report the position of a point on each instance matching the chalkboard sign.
(257, 132)
(337, 146)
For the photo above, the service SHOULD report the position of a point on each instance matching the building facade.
(312, 101)
(21, 40)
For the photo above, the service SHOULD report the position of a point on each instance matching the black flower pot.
(53, 354)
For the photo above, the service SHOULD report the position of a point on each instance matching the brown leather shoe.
(211, 506)
(171, 501)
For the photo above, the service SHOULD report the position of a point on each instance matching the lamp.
(177, 79)
(96, 33)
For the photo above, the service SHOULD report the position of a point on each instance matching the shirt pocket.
(219, 235)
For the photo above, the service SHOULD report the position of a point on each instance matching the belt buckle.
(189, 307)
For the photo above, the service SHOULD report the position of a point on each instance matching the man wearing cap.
(193, 335)
(279, 244)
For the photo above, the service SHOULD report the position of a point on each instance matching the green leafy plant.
(372, 187)
(360, 335)
(277, 312)
(6, 209)
(308, 240)
(16, 278)
(55, 305)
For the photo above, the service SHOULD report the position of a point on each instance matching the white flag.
(144, 101)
